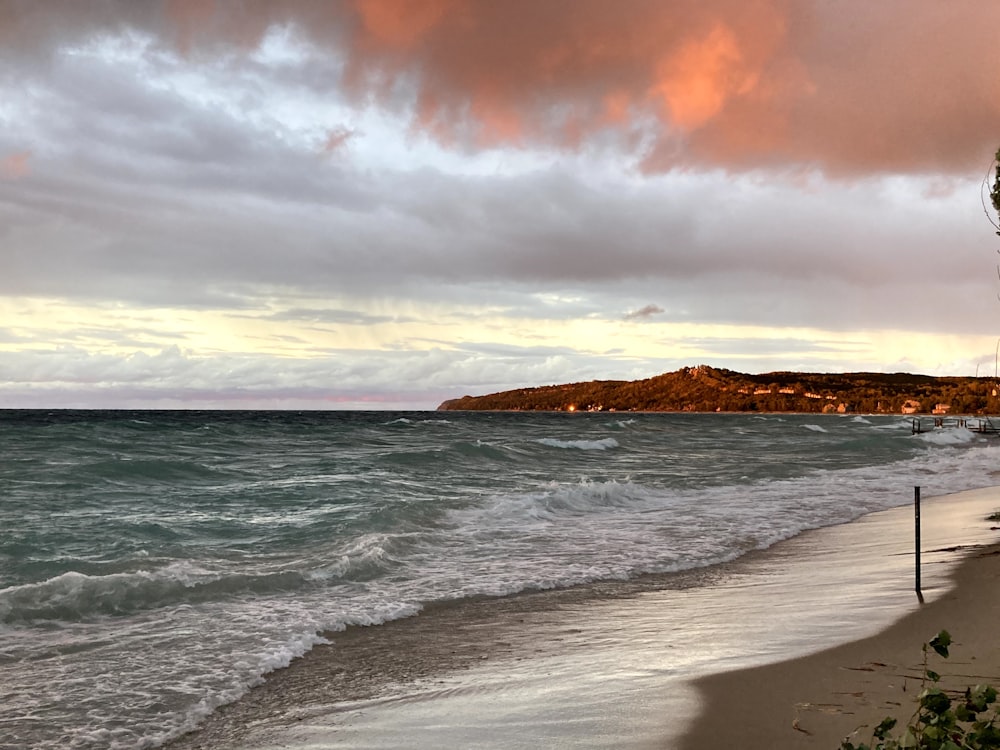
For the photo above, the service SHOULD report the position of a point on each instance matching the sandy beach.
(653, 663)
(845, 692)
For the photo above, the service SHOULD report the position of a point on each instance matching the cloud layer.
(850, 88)
(464, 196)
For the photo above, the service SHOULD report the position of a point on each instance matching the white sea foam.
(631, 528)
(552, 504)
(899, 424)
(72, 595)
(181, 639)
(362, 557)
(949, 436)
(815, 428)
(250, 670)
(586, 445)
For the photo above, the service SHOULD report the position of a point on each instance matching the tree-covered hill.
(706, 388)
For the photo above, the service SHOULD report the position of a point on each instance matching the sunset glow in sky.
(387, 203)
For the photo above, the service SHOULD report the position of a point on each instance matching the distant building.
(910, 406)
(941, 409)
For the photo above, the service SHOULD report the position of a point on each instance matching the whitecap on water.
(584, 445)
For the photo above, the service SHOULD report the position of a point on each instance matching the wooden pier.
(982, 425)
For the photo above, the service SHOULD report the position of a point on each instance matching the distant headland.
(709, 389)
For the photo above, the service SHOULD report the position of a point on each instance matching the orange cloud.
(558, 72)
(696, 79)
(616, 106)
(739, 84)
(336, 139)
(15, 166)
(851, 87)
(190, 18)
(401, 23)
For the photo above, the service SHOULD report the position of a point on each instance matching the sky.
(383, 204)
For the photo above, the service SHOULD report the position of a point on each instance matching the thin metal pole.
(916, 549)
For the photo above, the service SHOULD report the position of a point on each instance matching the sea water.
(154, 565)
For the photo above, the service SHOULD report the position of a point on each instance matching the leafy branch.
(940, 723)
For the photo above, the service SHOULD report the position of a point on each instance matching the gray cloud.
(153, 191)
(419, 379)
(644, 312)
(694, 84)
(155, 162)
(203, 247)
(345, 317)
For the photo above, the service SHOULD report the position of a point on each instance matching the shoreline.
(844, 692)
(444, 640)
(624, 662)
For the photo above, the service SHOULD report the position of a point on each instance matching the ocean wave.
(74, 596)
(366, 557)
(584, 445)
(901, 423)
(948, 436)
(480, 449)
(522, 510)
(124, 470)
(352, 522)
(105, 730)
(815, 428)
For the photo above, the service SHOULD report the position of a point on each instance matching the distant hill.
(706, 388)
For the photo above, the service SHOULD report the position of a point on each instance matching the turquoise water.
(153, 565)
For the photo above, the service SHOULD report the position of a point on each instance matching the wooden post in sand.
(916, 527)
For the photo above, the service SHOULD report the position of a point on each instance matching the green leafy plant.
(942, 721)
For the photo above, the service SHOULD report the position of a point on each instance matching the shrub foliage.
(942, 721)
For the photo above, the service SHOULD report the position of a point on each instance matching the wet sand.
(364, 665)
(634, 664)
(844, 692)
